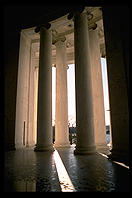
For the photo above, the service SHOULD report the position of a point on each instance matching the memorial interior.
(80, 36)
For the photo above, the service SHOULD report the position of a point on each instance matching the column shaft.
(22, 92)
(61, 119)
(44, 116)
(84, 101)
(35, 103)
(117, 61)
(97, 88)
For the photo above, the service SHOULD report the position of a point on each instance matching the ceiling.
(62, 27)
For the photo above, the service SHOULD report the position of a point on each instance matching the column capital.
(82, 11)
(67, 67)
(45, 25)
(59, 39)
(76, 10)
(94, 26)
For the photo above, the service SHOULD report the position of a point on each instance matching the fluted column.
(44, 115)
(97, 88)
(61, 117)
(84, 102)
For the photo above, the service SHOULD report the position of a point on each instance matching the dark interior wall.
(11, 52)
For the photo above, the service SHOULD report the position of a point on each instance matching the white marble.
(83, 83)
(44, 116)
(61, 115)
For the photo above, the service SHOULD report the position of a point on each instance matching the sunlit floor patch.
(103, 155)
(122, 164)
(64, 179)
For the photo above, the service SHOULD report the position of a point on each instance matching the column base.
(103, 148)
(39, 148)
(85, 150)
(59, 145)
(120, 156)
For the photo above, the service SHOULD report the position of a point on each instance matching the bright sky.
(71, 92)
(105, 89)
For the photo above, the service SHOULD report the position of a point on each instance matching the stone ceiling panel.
(63, 27)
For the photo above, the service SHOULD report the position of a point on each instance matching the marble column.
(61, 117)
(35, 103)
(97, 88)
(117, 53)
(44, 115)
(83, 83)
(22, 99)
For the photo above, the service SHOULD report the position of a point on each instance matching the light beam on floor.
(122, 164)
(64, 179)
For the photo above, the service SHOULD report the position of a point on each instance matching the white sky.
(71, 92)
(105, 89)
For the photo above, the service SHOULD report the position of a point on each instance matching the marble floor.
(62, 171)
